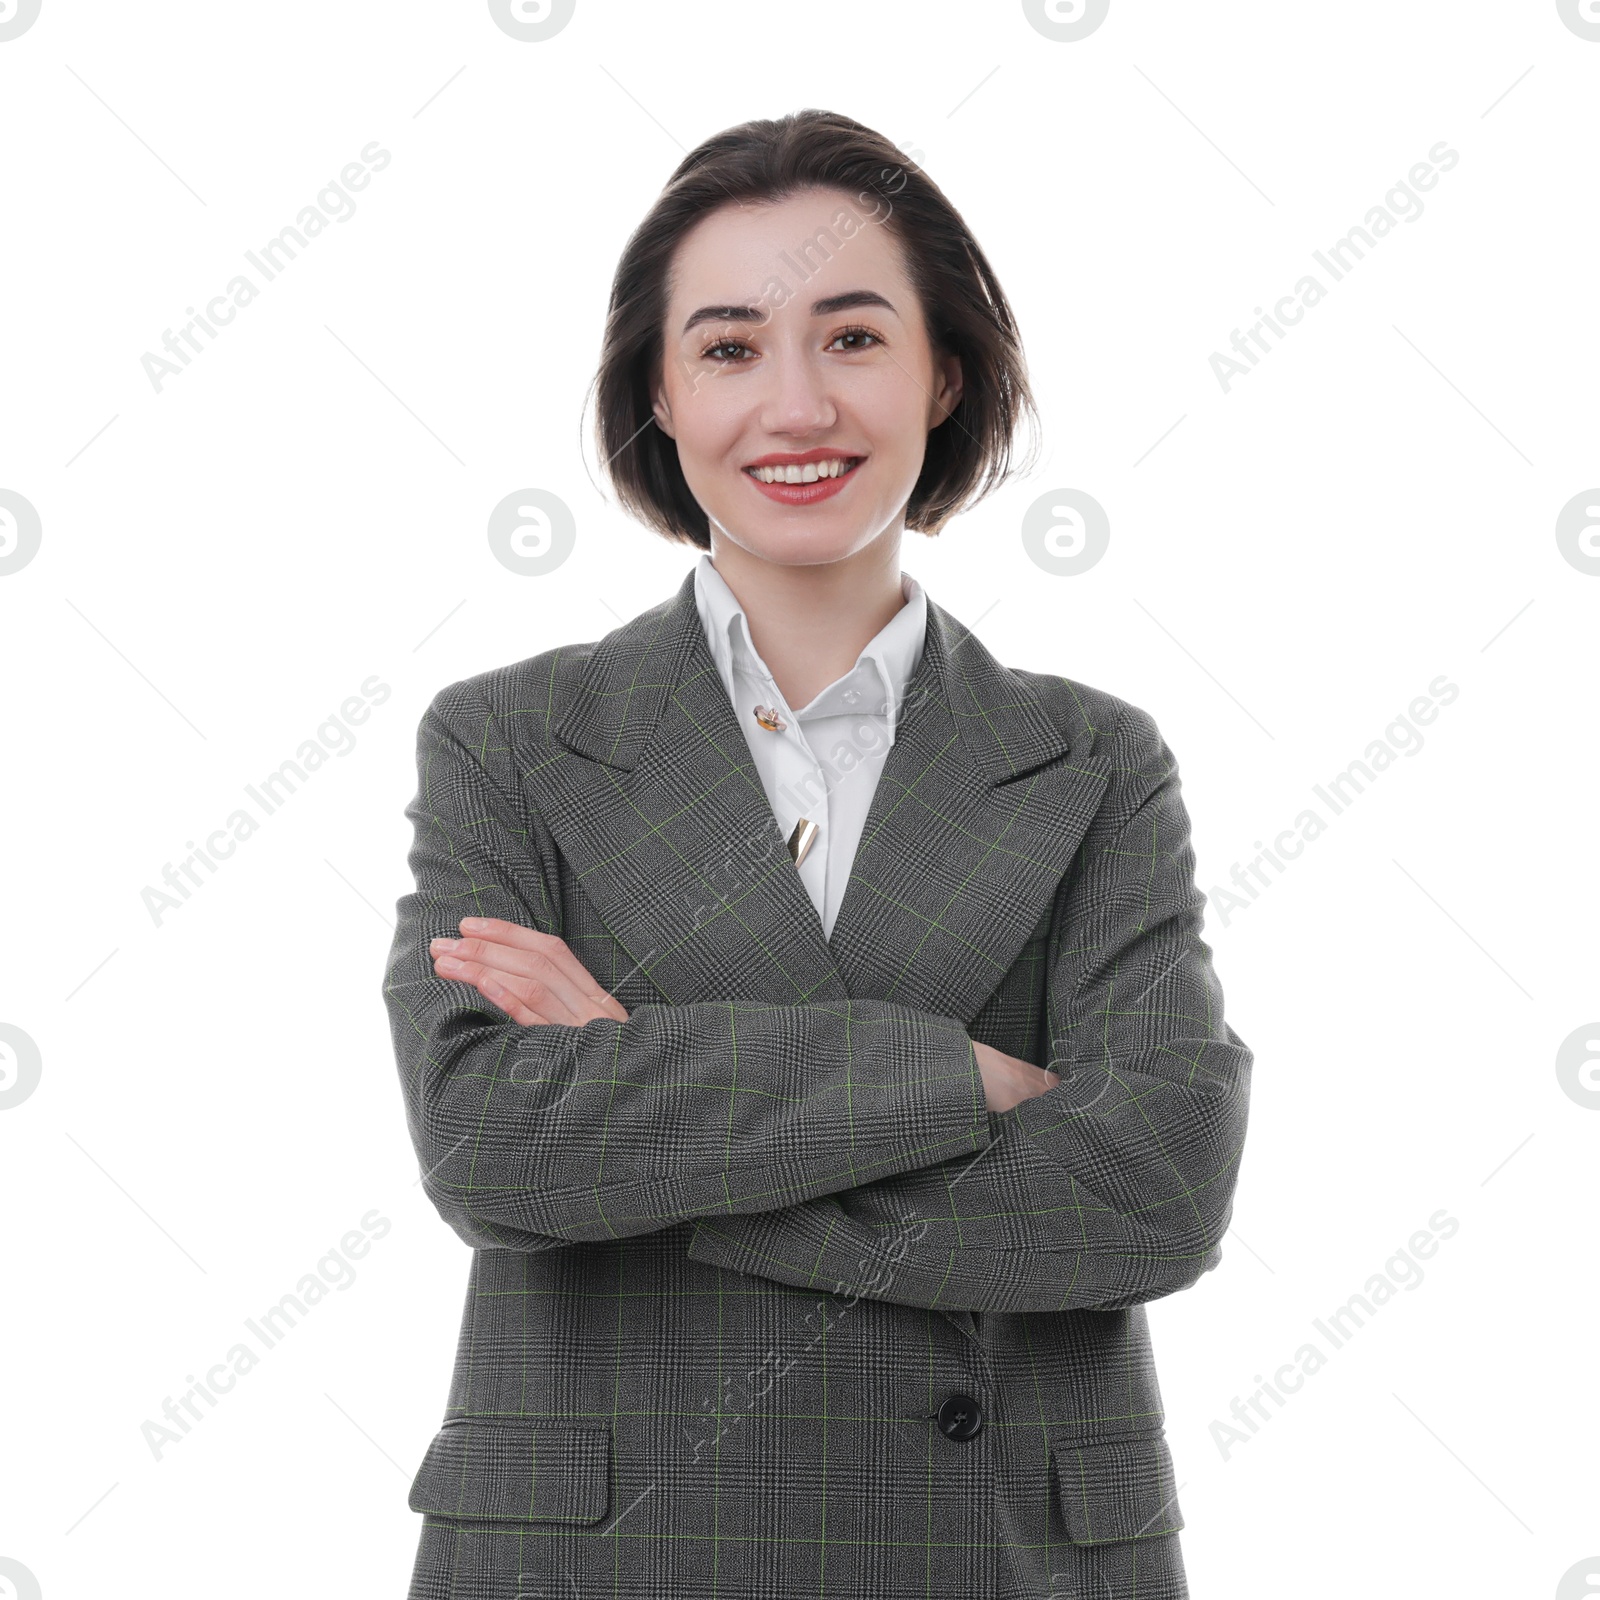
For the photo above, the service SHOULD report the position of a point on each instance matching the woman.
(803, 1016)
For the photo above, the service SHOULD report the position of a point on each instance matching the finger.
(509, 1002)
(515, 1005)
(535, 976)
(528, 992)
(543, 1003)
(508, 990)
(509, 959)
(529, 953)
(540, 991)
(526, 941)
(520, 952)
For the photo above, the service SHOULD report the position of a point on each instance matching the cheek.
(710, 421)
(894, 412)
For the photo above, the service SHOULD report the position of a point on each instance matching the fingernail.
(477, 924)
(443, 944)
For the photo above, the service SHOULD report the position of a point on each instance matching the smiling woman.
(736, 1043)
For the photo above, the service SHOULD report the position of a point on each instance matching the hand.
(533, 977)
(1008, 1080)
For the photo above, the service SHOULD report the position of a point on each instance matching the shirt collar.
(892, 653)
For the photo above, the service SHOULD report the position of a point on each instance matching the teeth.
(809, 473)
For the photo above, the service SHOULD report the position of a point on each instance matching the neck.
(811, 623)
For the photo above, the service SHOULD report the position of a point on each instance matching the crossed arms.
(827, 1145)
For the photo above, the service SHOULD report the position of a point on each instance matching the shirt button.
(960, 1418)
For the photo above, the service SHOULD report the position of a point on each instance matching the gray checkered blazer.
(764, 1301)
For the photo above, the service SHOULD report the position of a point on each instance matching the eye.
(722, 344)
(857, 333)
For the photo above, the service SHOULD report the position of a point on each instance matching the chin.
(797, 547)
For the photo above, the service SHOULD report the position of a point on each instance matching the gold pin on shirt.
(769, 719)
(803, 837)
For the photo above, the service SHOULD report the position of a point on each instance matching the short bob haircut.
(965, 311)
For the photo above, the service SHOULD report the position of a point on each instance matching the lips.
(819, 478)
(804, 469)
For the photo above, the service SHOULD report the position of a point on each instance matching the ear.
(947, 393)
(663, 413)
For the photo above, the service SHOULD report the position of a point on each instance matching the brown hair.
(968, 455)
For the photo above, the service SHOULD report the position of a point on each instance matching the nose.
(798, 398)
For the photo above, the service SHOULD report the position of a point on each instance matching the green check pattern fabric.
(732, 1255)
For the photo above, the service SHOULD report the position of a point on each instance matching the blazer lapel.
(661, 814)
(978, 813)
(660, 811)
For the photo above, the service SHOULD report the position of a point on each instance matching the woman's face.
(776, 347)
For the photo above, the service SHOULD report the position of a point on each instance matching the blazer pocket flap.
(515, 1472)
(1122, 1489)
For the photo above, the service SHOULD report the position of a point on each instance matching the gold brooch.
(769, 719)
(804, 836)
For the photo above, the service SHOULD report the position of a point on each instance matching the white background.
(224, 562)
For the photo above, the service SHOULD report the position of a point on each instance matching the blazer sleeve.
(534, 1136)
(1115, 1186)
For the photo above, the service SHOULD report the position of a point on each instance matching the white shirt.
(825, 762)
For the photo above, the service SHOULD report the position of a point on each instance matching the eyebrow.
(819, 308)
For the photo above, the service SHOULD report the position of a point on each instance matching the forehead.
(788, 252)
